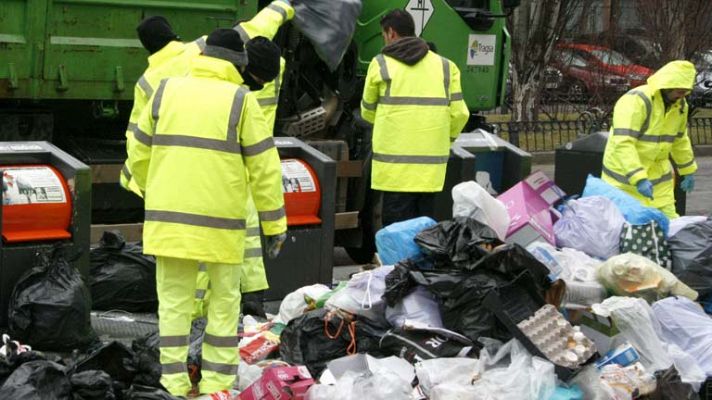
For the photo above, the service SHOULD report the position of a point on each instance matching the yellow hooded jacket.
(644, 135)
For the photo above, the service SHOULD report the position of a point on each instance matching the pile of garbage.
(530, 295)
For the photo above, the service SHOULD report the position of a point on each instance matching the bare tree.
(535, 27)
(680, 28)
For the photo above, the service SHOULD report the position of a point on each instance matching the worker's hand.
(645, 187)
(688, 183)
(274, 244)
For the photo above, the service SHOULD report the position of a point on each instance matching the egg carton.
(561, 343)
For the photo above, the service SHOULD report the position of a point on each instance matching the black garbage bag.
(114, 359)
(37, 380)
(410, 273)
(461, 242)
(147, 361)
(415, 345)
(509, 269)
(195, 349)
(92, 385)
(310, 341)
(140, 392)
(121, 276)
(671, 387)
(329, 25)
(50, 306)
(9, 364)
(691, 251)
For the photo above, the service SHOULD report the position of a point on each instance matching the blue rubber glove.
(645, 187)
(688, 183)
(274, 244)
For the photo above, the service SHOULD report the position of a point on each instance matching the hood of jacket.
(408, 50)
(674, 75)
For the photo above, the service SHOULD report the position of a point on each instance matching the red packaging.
(280, 383)
(258, 349)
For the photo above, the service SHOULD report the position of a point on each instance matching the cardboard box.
(280, 383)
(528, 204)
(602, 330)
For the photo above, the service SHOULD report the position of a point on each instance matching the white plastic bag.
(525, 377)
(362, 295)
(354, 386)
(295, 304)
(685, 324)
(472, 200)
(633, 275)
(592, 225)
(419, 306)
(445, 372)
(638, 326)
(247, 375)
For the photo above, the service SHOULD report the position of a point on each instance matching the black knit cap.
(227, 38)
(155, 33)
(263, 57)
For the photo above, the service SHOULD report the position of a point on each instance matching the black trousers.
(401, 206)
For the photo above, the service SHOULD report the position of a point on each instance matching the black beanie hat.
(226, 44)
(155, 33)
(264, 58)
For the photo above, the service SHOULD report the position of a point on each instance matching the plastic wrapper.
(355, 386)
(625, 383)
(420, 306)
(448, 372)
(472, 200)
(691, 250)
(395, 242)
(460, 242)
(329, 25)
(300, 301)
(363, 294)
(633, 211)
(686, 325)
(50, 306)
(638, 326)
(633, 275)
(592, 225)
(509, 372)
(121, 277)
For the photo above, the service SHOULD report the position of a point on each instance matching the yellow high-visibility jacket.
(265, 23)
(644, 135)
(416, 111)
(196, 141)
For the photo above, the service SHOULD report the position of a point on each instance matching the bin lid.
(480, 140)
(593, 143)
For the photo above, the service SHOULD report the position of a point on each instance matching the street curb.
(547, 157)
(703, 150)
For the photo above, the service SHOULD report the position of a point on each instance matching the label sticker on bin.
(296, 178)
(31, 185)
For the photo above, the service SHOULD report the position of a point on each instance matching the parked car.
(701, 95)
(639, 49)
(582, 79)
(609, 61)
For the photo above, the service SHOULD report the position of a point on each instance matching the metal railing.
(550, 135)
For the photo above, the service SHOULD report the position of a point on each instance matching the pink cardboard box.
(528, 204)
(280, 383)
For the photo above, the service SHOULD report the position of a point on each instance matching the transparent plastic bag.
(363, 295)
(592, 225)
(472, 200)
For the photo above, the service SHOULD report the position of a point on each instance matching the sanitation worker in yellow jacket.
(195, 143)
(649, 129)
(414, 100)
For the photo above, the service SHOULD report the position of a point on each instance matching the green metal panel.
(87, 49)
(482, 84)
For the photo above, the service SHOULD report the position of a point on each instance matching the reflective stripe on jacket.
(417, 111)
(195, 144)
